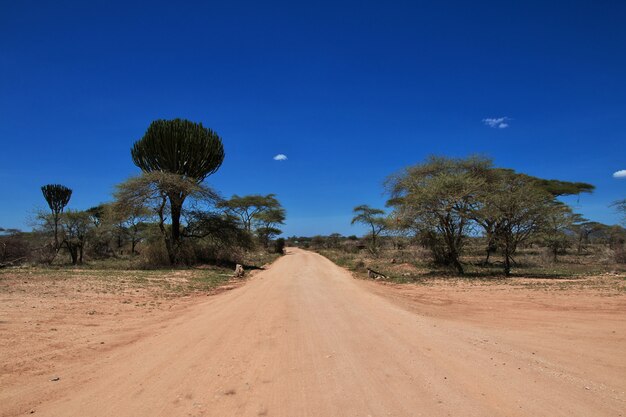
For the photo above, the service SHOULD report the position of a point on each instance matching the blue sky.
(349, 91)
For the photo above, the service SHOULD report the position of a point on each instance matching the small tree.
(102, 231)
(76, 225)
(334, 240)
(372, 218)
(249, 207)
(559, 220)
(57, 196)
(131, 222)
(184, 149)
(267, 223)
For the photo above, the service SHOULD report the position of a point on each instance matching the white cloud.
(497, 122)
(620, 174)
(280, 157)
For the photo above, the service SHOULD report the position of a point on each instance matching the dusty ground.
(306, 339)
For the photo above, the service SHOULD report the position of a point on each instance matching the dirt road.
(306, 339)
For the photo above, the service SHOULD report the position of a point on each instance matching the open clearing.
(305, 338)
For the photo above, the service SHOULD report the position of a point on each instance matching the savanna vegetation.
(165, 217)
(466, 217)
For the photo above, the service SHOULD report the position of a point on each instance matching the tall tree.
(57, 196)
(373, 218)
(516, 209)
(182, 148)
(437, 199)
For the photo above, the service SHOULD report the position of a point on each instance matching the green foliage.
(563, 188)
(250, 208)
(436, 199)
(57, 196)
(267, 222)
(263, 213)
(179, 147)
(443, 199)
(219, 231)
(559, 221)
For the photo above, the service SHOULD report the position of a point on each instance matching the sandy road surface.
(306, 339)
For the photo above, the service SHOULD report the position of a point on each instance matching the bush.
(154, 256)
(279, 245)
(14, 249)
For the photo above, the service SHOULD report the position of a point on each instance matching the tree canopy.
(179, 147)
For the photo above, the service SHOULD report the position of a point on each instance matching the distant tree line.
(168, 214)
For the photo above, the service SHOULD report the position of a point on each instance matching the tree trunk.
(73, 250)
(579, 249)
(507, 262)
(489, 236)
(176, 206)
(163, 229)
(56, 231)
(457, 264)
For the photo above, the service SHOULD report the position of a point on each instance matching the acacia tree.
(267, 222)
(373, 218)
(130, 222)
(184, 149)
(249, 207)
(559, 220)
(57, 196)
(497, 178)
(101, 234)
(437, 199)
(516, 208)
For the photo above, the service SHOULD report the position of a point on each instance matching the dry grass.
(593, 270)
(117, 277)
